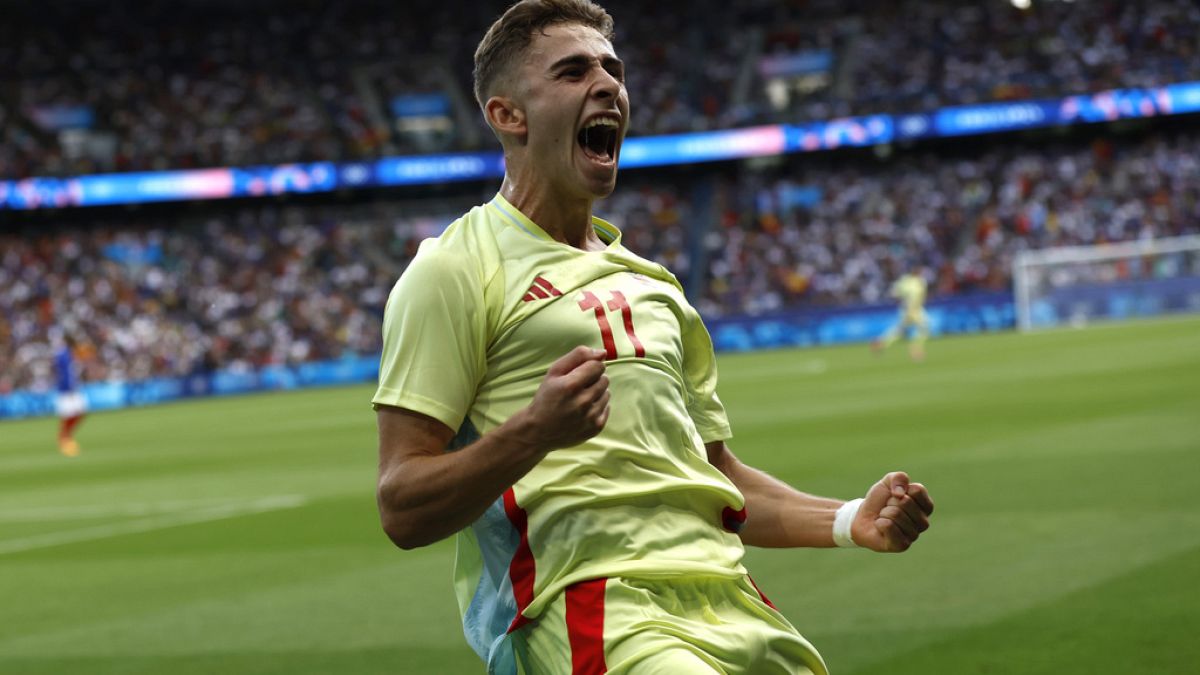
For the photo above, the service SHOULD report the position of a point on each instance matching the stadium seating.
(243, 286)
(122, 86)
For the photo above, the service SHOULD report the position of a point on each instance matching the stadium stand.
(838, 234)
(121, 86)
(94, 86)
(244, 285)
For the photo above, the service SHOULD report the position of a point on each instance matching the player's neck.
(566, 220)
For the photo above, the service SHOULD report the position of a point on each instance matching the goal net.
(1080, 284)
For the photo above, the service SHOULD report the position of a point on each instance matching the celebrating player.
(551, 398)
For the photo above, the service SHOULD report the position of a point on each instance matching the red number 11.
(618, 301)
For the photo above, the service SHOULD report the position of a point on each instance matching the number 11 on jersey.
(618, 301)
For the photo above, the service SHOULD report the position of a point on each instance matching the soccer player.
(910, 290)
(69, 403)
(550, 398)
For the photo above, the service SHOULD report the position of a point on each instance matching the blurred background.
(276, 164)
(214, 197)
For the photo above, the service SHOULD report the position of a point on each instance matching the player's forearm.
(426, 498)
(778, 515)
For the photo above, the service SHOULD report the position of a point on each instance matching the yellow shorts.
(667, 626)
(913, 317)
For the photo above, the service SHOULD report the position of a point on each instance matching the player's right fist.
(571, 405)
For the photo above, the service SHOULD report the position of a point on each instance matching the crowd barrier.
(973, 313)
(1083, 303)
(113, 395)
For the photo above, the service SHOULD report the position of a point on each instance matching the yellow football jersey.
(470, 330)
(910, 290)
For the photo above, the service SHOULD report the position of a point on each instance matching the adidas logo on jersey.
(540, 290)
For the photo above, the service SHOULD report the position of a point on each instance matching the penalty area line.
(162, 522)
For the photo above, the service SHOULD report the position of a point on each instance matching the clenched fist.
(893, 514)
(571, 405)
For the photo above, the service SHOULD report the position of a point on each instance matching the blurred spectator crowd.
(94, 86)
(243, 286)
(840, 233)
(238, 290)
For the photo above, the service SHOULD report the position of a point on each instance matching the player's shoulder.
(467, 246)
(647, 268)
(472, 233)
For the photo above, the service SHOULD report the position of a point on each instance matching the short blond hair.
(512, 33)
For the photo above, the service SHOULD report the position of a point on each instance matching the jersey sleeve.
(434, 337)
(700, 371)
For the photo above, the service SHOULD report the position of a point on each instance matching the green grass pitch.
(239, 535)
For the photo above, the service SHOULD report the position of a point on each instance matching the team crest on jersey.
(540, 289)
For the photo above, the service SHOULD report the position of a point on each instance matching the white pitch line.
(797, 367)
(81, 511)
(150, 524)
(814, 367)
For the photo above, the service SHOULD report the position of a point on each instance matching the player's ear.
(506, 117)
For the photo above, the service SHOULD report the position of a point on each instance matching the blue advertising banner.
(422, 170)
(638, 152)
(963, 314)
(805, 62)
(993, 117)
(61, 117)
(1114, 301)
(421, 105)
(844, 132)
(1183, 98)
(114, 395)
(708, 146)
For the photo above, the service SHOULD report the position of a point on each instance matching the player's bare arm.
(893, 514)
(426, 494)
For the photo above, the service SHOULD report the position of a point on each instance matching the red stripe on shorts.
(522, 569)
(760, 594)
(585, 627)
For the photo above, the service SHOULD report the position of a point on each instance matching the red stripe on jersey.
(521, 569)
(760, 594)
(585, 627)
(733, 520)
(538, 292)
(539, 280)
(528, 297)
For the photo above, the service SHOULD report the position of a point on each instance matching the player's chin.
(598, 186)
(604, 189)
(599, 175)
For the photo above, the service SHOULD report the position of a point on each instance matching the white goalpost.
(1077, 285)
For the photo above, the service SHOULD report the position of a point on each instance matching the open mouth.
(598, 138)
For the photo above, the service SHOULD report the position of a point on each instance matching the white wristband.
(841, 523)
